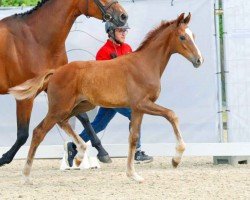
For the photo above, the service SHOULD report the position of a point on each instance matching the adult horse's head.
(107, 10)
(184, 43)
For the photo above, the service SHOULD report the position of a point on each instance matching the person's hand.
(113, 55)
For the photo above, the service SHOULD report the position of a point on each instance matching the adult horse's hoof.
(104, 159)
(4, 160)
(174, 163)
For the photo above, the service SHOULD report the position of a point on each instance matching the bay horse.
(131, 81)
(34, 41)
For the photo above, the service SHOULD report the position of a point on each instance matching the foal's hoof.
(175, 163)
(136, 177)
(27, 181)
(104, 159)
(77, 162)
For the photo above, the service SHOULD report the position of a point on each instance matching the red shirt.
(111, 50)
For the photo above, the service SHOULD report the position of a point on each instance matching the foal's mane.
(39, 5)
(154, 33)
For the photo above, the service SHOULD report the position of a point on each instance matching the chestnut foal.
(131, 81)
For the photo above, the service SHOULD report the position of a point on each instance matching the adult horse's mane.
(153, 33)
(39, 5)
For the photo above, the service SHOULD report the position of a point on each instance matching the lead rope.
(87, 9)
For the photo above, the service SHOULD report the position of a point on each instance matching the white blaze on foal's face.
(190, 34)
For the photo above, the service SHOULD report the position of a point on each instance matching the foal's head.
(183, 41)
(107, 10)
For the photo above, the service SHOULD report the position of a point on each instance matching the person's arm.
(130, 49)
(103, 54)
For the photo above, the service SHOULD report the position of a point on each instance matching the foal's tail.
(31, 87)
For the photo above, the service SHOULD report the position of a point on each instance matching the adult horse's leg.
(80, 144)
(102, 155)
(151, 108)
(136, 120)
(38, 135)
(24, 109)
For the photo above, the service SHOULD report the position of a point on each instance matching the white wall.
(237, 60)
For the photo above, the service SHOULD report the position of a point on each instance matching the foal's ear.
(187, 19)
(180, 19)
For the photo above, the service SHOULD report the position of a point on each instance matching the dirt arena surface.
(196, 178)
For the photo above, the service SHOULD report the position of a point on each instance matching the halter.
(105, 15)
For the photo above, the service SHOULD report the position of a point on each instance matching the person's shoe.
(141, 157)
(71, 152)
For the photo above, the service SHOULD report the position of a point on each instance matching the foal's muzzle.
(197, 62)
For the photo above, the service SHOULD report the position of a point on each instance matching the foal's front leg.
(151, 108)
(136, 120)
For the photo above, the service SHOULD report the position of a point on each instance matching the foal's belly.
(107, 98)
(105, 87)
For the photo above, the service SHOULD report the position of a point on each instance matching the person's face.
(120, 34)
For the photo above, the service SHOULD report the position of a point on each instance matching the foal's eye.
(182, 37)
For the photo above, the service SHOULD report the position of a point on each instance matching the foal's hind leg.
(80, 144)
(151, 108)
(136, 120)
(38, 135)
(24, 109)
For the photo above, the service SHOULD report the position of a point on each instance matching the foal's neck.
(157, 53)
(51, 23)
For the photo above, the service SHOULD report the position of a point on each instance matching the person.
(114, 47)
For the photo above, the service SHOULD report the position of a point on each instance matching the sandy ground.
(196, 178)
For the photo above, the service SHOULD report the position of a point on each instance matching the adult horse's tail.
(31, 87)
